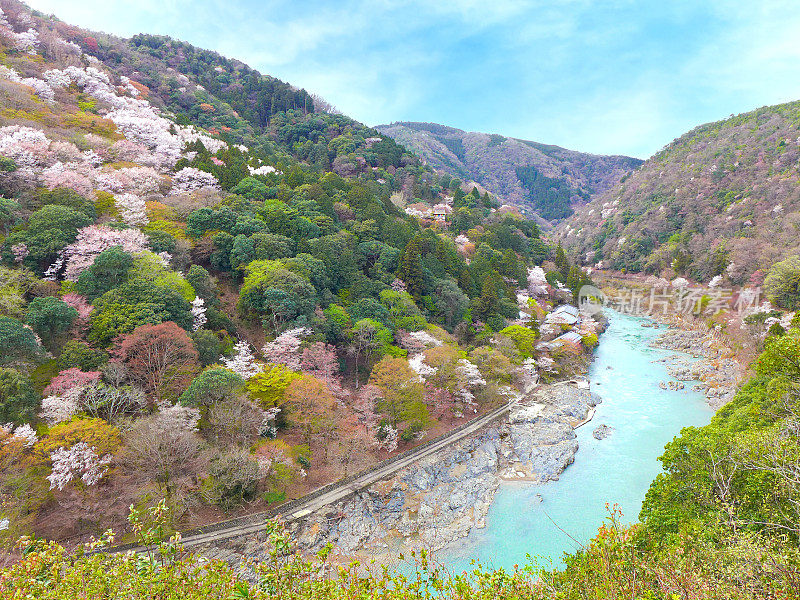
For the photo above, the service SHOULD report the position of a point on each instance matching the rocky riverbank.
(704, 359)
(440, 499)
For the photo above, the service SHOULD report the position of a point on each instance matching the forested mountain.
(547, 180)
(208, 293)
(723, 199)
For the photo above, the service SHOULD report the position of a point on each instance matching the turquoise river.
(615, 470)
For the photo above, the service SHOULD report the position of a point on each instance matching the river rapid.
(546, 521)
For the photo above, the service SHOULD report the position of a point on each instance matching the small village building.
(571, 338)
(564, 315)
(440, 212)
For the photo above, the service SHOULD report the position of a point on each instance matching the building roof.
(568, 338)
(569, 315)
(567, 309)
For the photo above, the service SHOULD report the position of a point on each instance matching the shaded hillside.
(546, 179)
(723, 199)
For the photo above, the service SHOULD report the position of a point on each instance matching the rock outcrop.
(443, 497)
(601, 432)
(717, 371)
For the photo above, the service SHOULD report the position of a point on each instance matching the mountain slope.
(154, 194)
(546, 179)
(723, 199)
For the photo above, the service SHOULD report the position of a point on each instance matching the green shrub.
(233, 479)
(18, 400)
(80, 354)
(274, 497)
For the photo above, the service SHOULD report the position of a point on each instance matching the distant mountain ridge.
(722, 199)
(541, 178)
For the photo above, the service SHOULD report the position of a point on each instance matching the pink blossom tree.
(243, 363)
(69, 379)
(440, 401)
(198, 313)
(132, 209)
(285, 349)
(319, 359)
(92, 240)
(80, 304)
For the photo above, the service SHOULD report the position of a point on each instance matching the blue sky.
(605, 76)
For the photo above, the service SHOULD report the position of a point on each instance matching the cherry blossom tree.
(470, 378)
(63, 394)
(80, 304)
(320, 360)
(243, 363)
(389, 438)
(69, 379)
(80, 460)
(440, 401)
(285, 349)
(74, 176)
(26, 41)
(132, 209)
(28, 147)
(365, 406)
(92, 240)
(189, 179)
(57, 409)
(20, 251)
(418, 365)
(24, 433)
(263, 170)
(198, 313)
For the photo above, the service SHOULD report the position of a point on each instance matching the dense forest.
(209, 291)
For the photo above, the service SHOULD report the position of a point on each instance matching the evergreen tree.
(458, 198)
(561, 260)
(489, 301)
(411, 269)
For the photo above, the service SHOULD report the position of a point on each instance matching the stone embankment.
(709, 362)
(440, 499)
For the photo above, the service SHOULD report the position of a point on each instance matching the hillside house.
(571, 338)
(440, 212)
(564, 315)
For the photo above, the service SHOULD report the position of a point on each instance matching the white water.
(616, 470)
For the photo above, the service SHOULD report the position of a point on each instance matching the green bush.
(782, 283)
(233, 479)
(17, 341)
(274, 497)
(80, 354)
(50, 317)
(523, 337)
(18, 399)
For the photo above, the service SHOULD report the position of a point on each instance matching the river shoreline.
(704, 359)
(440, 500)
